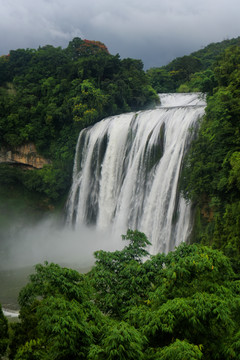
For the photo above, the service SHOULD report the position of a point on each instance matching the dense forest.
(181, 305)
(194, 72)
(48, 95)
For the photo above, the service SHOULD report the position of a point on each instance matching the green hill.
(192, 72)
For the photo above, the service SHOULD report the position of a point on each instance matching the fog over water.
(48, 241)
(24, 245)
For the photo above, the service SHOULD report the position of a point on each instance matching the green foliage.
(203, 81)
(64, 327)
(211, 170)
(178, 350)
(118, 277)
(226, 232)
(135, 250)
(3, 333)
(183, 305)
(48, 95)
(31, 350)
(181, 68)
(89, 103)
(120, 342)
(234, 175)
(190, 73)
(54, 306)
(51, 279)
(161, 80)
(227, 67)
(78, 48)
(195, 298)
(50, 180)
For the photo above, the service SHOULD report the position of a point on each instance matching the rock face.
(25, 155)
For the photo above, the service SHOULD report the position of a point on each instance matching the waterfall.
(127, 168)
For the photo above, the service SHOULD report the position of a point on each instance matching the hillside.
(48, 95)
(192, 72)
(211, 172)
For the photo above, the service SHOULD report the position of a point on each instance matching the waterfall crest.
(127, 168)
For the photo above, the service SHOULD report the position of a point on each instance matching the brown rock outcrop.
(23, 155)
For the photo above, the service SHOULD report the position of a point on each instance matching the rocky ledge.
(25, 155)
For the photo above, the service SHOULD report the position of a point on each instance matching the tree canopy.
(48, 95)
(211, 171)
(192, 72)
(183, 305)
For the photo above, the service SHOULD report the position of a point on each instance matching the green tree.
(55, 301)
(181, 305)
(120, 342)
(89, 104)
(178, 350)
(119, 277)
(203, 81)
(161, 80)
(194, 298)
(64, 328)
(3, 333)
(78, 48)
(210, 175)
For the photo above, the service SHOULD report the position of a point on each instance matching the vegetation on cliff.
(48, 95)
(211, 172)
(194, 72)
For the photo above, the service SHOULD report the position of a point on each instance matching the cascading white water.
(127, 168)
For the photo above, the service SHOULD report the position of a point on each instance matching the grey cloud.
(155, 31)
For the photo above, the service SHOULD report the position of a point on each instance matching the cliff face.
(25, 155)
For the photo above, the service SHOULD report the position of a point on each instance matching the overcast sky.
(155, 31)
